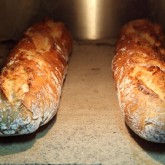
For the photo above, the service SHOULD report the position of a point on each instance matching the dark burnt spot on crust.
(155, 69)
(2, 94)
(143, 88)
(5, 73)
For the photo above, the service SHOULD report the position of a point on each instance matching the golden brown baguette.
(139, 76)
(31, 80)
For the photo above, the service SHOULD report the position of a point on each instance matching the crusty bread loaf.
(139, 76)
(31, 80)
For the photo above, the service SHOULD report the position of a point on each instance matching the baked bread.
(31, 80)
(139, 77)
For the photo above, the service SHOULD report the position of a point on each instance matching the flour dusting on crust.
(31, 81)
(139, 76)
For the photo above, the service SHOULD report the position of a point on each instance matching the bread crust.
(139, 76)
(31, 80)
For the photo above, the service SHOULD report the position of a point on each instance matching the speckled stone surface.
(89, 127)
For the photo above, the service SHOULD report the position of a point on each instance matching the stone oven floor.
(89, 127)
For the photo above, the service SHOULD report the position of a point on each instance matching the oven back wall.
(87, 19)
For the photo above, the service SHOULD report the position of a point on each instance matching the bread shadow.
(154, 150)
(14, 144)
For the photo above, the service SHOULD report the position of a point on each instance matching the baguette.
(139, 77)
(32, 78)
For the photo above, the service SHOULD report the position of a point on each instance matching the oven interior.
(89, 127)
